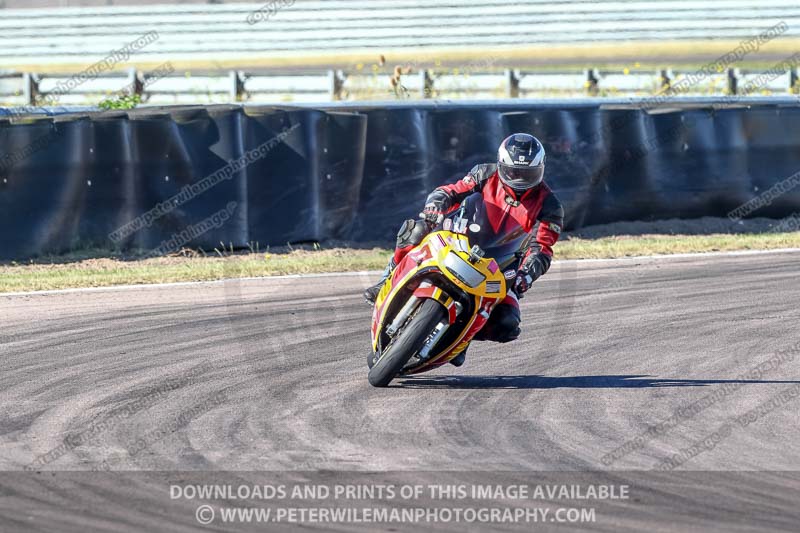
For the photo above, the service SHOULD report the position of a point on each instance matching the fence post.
(665, 79)
(426, 83)
(512, 84)
(30, 88)
(336, 84)
(733, 80)
(592, 81)
(237, 91)
(135, 83)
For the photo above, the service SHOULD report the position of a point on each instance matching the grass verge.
(98, 268)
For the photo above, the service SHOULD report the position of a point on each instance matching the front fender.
(435, 293)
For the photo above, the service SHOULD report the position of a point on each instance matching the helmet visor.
(520, 178)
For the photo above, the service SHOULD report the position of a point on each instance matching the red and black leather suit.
(508, 211)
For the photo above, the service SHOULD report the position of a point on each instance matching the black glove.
(531, 269)
(432, 213)
(435, 208)
(523, 282)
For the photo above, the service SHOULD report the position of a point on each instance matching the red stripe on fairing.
(476, 327)
(423, 254)
(404, 266)
(427, 292)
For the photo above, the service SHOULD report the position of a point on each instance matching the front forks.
(441, 328)
(433, 338)
(402, 316)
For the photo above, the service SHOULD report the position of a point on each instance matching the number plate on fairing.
(493, 286)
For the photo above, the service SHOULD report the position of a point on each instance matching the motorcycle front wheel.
(408, 341)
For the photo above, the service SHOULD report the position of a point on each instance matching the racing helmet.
(520, 162)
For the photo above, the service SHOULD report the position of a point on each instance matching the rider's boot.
(371, 293)
(460, 358)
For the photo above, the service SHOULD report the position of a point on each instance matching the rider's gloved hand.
(432, 213)
(531, 270)
(523, 282)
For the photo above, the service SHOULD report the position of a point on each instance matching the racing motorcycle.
(442, 292)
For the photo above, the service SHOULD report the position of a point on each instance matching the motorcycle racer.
(516, 198)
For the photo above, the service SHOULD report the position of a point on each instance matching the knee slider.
(404, 235)
(411, 233)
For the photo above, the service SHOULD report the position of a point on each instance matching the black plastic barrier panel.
(163, 178)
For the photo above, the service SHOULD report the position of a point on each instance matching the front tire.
(409, 341)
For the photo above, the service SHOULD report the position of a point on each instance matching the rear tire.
(409, 341)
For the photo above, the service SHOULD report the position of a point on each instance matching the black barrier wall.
(163, 178)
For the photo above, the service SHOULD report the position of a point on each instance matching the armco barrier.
(352, 172)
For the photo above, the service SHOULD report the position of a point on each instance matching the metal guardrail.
(166, 86)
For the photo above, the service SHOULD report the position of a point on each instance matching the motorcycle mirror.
(476, 254)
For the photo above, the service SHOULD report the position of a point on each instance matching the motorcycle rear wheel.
(409, 340)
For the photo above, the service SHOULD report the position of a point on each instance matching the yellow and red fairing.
(430, 254)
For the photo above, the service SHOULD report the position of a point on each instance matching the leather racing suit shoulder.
(447, 197)
(552, 210)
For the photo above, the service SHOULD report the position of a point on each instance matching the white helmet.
(520, 162)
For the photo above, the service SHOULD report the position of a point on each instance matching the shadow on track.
(570, 382)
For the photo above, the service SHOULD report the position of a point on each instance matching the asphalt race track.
(270, 375)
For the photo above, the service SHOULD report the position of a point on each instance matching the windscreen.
(497, 235)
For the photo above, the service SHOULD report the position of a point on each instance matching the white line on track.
(376, 272)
